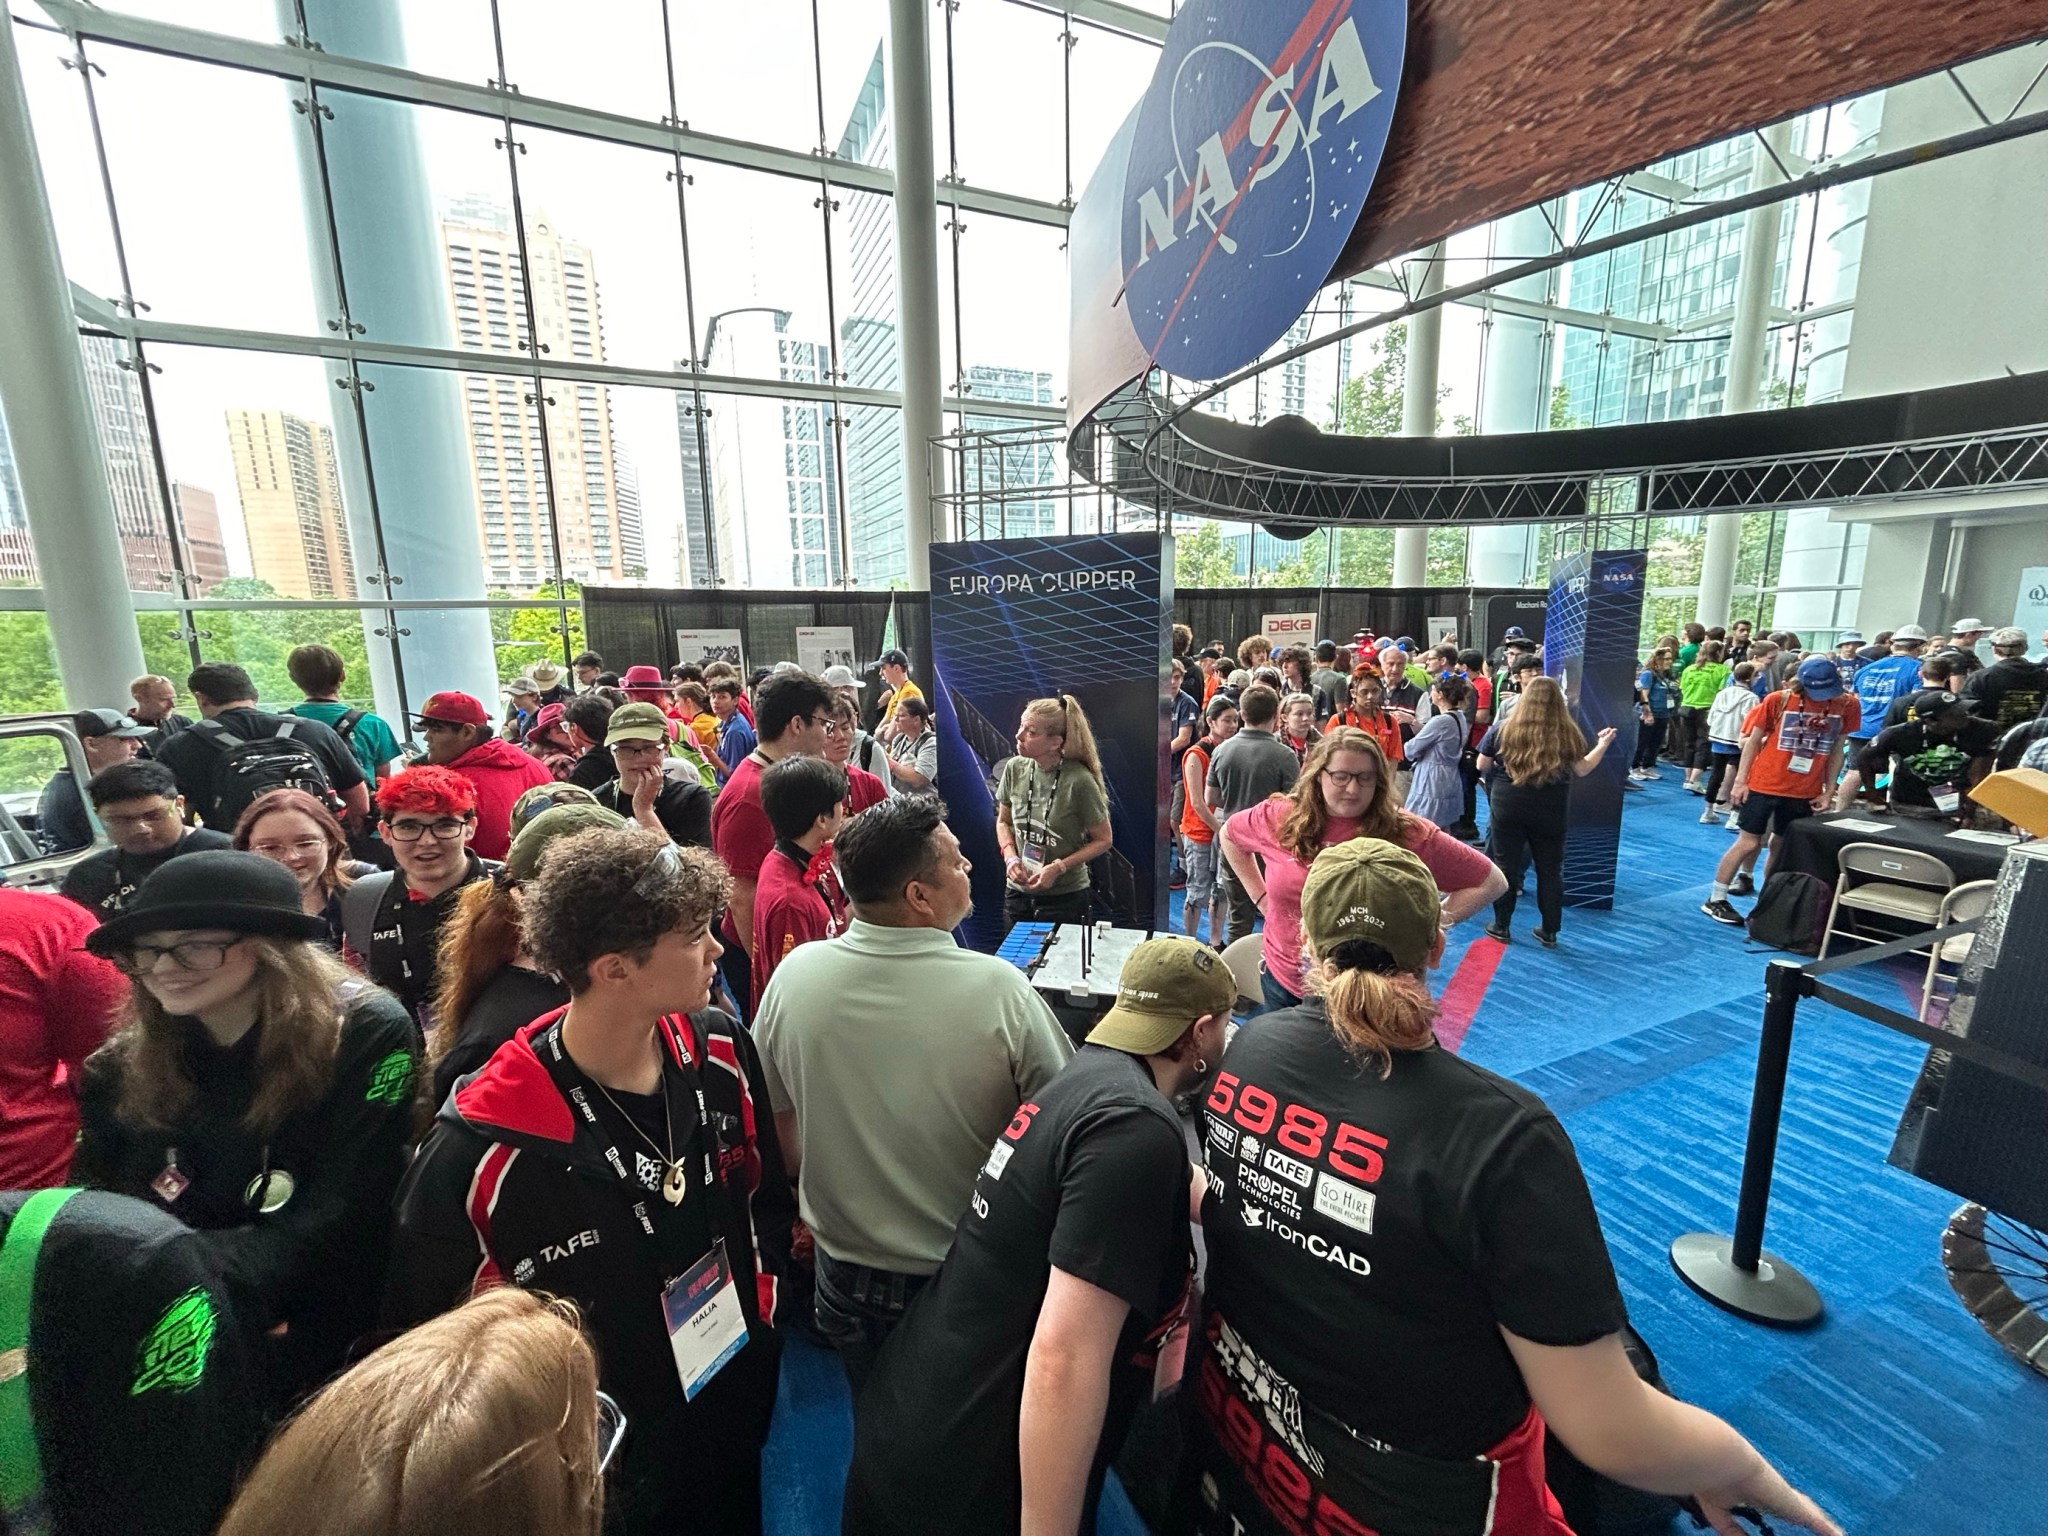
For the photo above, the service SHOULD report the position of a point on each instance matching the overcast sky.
(207, 182)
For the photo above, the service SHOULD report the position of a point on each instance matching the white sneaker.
(1733, 824)
(1708, 817)
(1651, 773)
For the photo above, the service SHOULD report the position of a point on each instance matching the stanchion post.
(1735, 1273)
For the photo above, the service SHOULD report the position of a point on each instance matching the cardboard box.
(2020, 795)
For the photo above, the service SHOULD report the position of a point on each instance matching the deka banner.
(1255, 146)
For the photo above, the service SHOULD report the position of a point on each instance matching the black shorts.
(1773, 812)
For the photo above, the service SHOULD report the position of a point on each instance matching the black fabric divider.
(1230, 614)
(630, 626)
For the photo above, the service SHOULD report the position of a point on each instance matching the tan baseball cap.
(1167, 984)
(636, 722)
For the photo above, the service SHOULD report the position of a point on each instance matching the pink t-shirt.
(1455, 866)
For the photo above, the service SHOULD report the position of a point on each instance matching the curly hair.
(598, 893)
(426, 790)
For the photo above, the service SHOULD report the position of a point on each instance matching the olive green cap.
(1366, 888)
(523, 862)
(1167, 984)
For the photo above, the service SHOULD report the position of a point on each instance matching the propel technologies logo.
(1256, 145)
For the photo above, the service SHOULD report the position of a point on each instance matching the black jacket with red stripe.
(513, 1185)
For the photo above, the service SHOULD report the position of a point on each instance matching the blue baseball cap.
(1819, 680)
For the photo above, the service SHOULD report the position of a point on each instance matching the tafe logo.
(1256, 144)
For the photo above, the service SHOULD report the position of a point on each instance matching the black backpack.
(250, 767)
(1791, 912)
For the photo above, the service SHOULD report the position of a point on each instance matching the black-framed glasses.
(186, 954)
(611, 1430)
(445, 830)
(1347, 780)
(662, 868)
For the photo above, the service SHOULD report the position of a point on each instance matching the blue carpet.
(1898, 1412)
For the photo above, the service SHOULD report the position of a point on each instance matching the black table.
(1813, 845)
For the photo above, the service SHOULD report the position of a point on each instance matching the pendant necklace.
(674, 1181)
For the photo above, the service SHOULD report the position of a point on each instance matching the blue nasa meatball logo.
(1256, 145)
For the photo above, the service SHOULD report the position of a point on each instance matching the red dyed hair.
(427, 790)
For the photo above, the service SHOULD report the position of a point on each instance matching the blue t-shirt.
(1186, 712)
(370, 740)
(1660, 691)
(1877, 684)
(735, 740)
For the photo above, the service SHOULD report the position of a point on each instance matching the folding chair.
(1899, 883)
(1959, 906)
(1242, 956)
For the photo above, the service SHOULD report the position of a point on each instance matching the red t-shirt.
(863, 789)
(56, 1004)
(788, 911)
(740, 834)
(1482, 697)
(1797, 728)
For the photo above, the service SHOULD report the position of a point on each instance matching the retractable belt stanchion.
(1735, 1273)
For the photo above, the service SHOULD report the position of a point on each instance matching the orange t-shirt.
(1380, 725)
(1192, 827)
(1799, 733)
(1209, 688)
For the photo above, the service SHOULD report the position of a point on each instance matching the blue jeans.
(857, 1308)
(1274, 997)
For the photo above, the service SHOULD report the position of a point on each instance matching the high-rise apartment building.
(1005, 472)
(693, 537)
(772, 465)
(206, 551)
(131, 480)
(600, 532)
(290, 490)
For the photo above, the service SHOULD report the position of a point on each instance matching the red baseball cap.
(453, 709)
(550, 715)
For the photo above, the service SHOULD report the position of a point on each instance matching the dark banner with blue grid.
(1020, 619)
(1590, 633)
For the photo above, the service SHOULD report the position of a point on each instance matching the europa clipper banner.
(1020, 619)
(1589, 646)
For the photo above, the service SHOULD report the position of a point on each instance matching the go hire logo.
(1256, 144)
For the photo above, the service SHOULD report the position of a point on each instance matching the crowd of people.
(520, 1096)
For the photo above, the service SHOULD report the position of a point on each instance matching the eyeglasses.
(303, 846)
(139, 818)
(665, 866)
(819, 720)
(1347, 780)
(186, 954)
(445, 830)
(836, 728)
(611, 1430)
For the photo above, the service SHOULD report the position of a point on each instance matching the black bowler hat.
(216, 888)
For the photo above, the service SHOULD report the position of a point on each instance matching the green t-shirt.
(371, 740)
(1052, 813)
(1687, 655)
(1698, 683)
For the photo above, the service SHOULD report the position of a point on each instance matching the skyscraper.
(773, 472)
(290, 491)
(601, 536)
(206, 554)
(693, 558)
(1002, 472)
(131, 480)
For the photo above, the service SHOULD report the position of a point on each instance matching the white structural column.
(1747, 352)
(1512, 394)
(417, 423)
(1418, 407)
(917, 274)
(49, 419)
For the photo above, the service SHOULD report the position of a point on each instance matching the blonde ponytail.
(1063, 717)
(1376, 1014)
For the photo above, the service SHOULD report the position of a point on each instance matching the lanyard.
(569, 1079)
(1051, 798)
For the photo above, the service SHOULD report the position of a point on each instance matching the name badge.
(706, 1325)
(1803, 763)
(1946, 798)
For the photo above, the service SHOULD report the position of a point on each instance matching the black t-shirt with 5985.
(1370, 1237)
(1092, 1177)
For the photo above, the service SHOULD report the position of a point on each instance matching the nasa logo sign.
(1255, 147)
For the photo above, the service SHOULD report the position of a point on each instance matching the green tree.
(1200, 559)
(525, 637)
